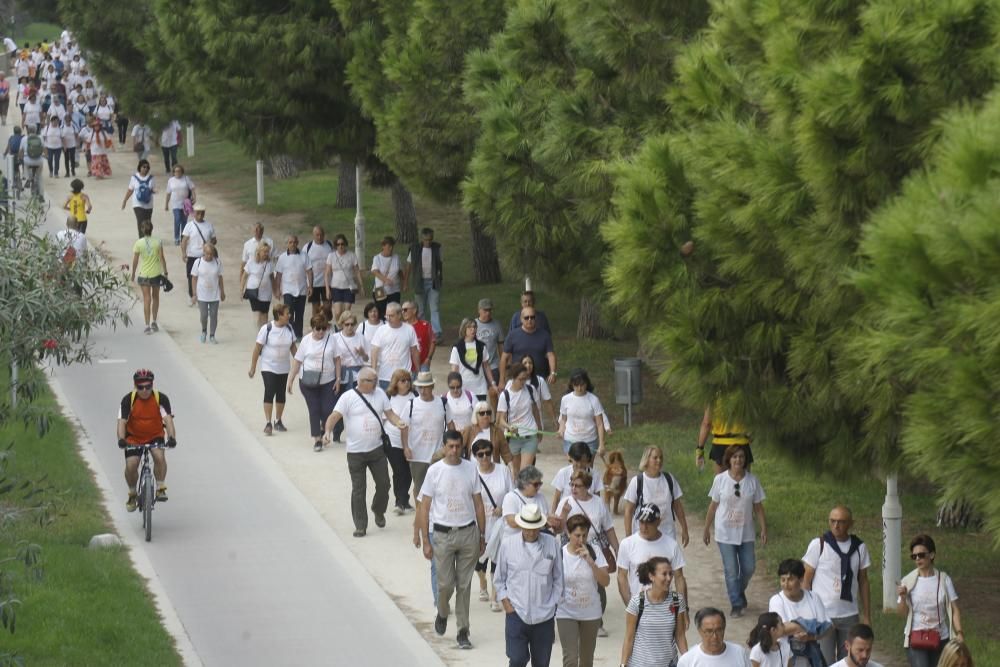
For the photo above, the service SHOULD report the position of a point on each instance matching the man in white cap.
(425, 413)
(642, 545)
(197, 232)
(450, 500)
(529, 583)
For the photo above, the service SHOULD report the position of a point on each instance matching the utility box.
(628, 384)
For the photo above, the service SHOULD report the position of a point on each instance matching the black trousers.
(401, 477)
(298, 306)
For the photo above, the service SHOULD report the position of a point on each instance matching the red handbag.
(928, 640)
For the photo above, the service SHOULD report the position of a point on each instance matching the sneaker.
(484, 595)
(278, 426)
(133, 501)
(161, 495)
(440, 625)
(736, 612)
(601, 632)
(359, 533)
(463, 639)
(211, 339)
(380, 520)
(267, 428)
(318, 446)
(147, 330)
(399, 511)
(191, 304)
(496, 606)
(154, 326)
(202, 337)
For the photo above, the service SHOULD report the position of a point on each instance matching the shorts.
(717, 452)
(527, 445)
(481, 566)
(137, 451)
(259, 306)
(341, 295)
(318, 294)
(593, 445)
(152, 282)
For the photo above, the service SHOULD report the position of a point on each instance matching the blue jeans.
(921, 658)
(529, 642)
(738, 564)
(428, 300)
(53, 155)
(179, 222)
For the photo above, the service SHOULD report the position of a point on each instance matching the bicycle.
(33, 182)
(146, 491)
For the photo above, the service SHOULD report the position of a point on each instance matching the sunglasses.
(485, 413)
(919, 554)
(405, 309)
(737, 491)
(537, 484)
(143, 387)
(484, 454)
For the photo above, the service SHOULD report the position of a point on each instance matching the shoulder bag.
(254, 292)
(928, 640)
(313, 378)
(386, 442)
(602, 540)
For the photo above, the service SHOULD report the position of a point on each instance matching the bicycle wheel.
(147, 504)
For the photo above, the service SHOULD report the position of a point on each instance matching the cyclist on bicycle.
(145, 419)
(32, 153)
(14, 148)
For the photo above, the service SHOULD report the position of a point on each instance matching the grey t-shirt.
(490, 333)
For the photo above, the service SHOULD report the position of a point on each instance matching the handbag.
(254, 292)
(312, 378)
(602, 541)
(379, 294)
(928, 640)
(165, 283)
(386, 442)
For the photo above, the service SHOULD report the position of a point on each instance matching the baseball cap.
(486, 304)
(648, 513)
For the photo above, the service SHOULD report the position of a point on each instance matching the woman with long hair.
(258, 278)
(581, 415)
(653, 633)
(147, 257)
(766, 647)
(141, 188)
(470, 359)
(400, 392)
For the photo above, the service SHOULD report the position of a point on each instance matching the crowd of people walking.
(457, 452)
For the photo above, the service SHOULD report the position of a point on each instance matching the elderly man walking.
(529, 583)
(837, 565)
(362, 410)
(394, 346)
(450, 500)
(529, 340)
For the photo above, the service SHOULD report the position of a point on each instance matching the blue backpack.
(144, 194)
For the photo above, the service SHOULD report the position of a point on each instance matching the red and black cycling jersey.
(144, 417)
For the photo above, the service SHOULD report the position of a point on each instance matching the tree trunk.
(283, 166)
(485, 262)
(958, 514)
(347, 185)
(589, 325)
(406, 214)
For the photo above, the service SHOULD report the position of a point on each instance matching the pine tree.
(563, 92)
(735, 234)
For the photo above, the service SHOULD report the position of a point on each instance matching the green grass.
(37, 32)
(798, 501)
(90, 607)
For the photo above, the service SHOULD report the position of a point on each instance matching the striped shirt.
(654, 635)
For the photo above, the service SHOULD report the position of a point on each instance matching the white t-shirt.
(134, 184)
(826, 582)
(734, 516)
(68, 237)
(734, 656)
(68, 136)
(52, 137)
(518, 408)
(168, 137)
(633, 551)
(179, 189)
(259, 278)
(656, 491)
(347, 350)
(514, 501)
(579, 412)
(426, 262)
(250, 246)
(362, 428)
(399, 404)
(843, 663)
(426, 432)
(460, 409)
(499, 483)
(809, 607)
(275, 355)
(777, 657)
(32, 113)
(581, 599)
(928, 614)
(208, 274)
(316, 256)
(394, 345)
(292, 268)
(389, 267)
(342, 269)
(474, 382)
(563, 478)
(196, 240)
(594, 509)
(318, 355)
(142, 134)
(451, 489)
(368, 329)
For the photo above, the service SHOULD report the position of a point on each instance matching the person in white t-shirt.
(766, 647)
(643, 545)
(209, 288)
(527, 490)
(714, 650)
(736, 497)
(168, 144)
(196, 234)
(581, 416)
(803, 610)
(142, 140)
(394, 346)
(580, 458)
(927, 596)
(250, 245)
(343, 276)
(141, 188)
(387, 270)
(180, 192)
(459, 403)
(274, 347)
(290, 276)
(858, 647)
(470, 358)
(71, 236)
(518, 416)
(363, 410)
(257, 277)
(654, 485)
(317, 359)
(585, 576)
(316, 253)
(497, 483)
(837, 565)
(425, 413)
(52, 141)
(451, 501)
(353, 354)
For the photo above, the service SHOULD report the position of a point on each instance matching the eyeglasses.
(528, 317)
(737, 491)
(485, 413)
(919, 554)
(454, 386)
(537, 484)
(484, 454)
(320, 328)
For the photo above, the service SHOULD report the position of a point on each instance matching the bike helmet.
(142, 375)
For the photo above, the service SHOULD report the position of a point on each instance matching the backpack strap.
(642, 607)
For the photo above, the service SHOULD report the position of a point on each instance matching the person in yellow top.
(725, 433)
(78, 204)
(153, 265)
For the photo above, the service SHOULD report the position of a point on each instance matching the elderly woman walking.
(257, 283)
(209, 289)
(316, 357)
(274, 348)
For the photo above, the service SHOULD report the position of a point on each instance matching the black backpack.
(670, 486)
